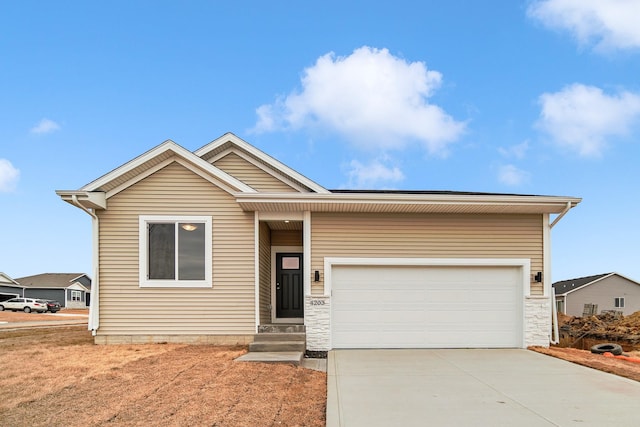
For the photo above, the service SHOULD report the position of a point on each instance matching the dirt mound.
(608, 326)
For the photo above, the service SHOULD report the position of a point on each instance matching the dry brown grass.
(59, 374)
(21, 316)
(596, 361)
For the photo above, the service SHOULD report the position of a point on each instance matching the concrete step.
(276, 346)
(279, 336)
(281, 328)
(290, 357)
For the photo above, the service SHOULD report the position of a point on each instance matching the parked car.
(52, 306)
(24, 304)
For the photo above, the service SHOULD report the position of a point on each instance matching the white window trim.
(618, 302)
(144, 220)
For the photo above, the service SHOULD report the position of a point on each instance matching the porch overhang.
(405, 203)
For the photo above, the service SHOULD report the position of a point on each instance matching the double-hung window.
(76, 295)
(175, 251)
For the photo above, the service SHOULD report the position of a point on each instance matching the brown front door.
(289, 287)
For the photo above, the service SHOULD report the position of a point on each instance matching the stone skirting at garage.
(174, 339)
(537, 321)
(317, 321)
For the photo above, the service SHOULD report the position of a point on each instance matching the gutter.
(94, 318)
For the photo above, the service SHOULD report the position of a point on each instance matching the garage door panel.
(426, 307)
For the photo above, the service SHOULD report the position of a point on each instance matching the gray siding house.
(71, 290)
(610, 291)
(9, 288)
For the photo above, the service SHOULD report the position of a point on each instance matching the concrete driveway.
(473, 388)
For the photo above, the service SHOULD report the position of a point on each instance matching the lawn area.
(57, 376)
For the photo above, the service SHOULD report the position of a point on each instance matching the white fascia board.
(554, 203)
(276, 164)
(78, 287)
(178, 151)
(6, 276)
(202, 174)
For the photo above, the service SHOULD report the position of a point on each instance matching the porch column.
(306, 251)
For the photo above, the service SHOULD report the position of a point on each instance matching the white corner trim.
(524, 263)
(256, 266)
(306, 252)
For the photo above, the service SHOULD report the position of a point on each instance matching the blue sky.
(532, 97)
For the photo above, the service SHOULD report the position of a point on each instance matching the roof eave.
(405, 202)
(88, 199)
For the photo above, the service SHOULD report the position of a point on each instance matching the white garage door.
(426, 307)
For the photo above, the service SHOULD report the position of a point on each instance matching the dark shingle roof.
(49, 280)
(564, 286)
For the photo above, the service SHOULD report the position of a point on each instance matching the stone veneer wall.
(537, 321)
(317, 321)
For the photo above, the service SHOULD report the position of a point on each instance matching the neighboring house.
(71, 290)
(9, 288)
(206, 246)
(610, 291)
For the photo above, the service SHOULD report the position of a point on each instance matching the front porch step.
(284, 328)
(290, 357)
(279, 336)
(271, 346)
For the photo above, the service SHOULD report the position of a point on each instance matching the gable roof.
(311, 196)
(5, 280)
(564, 287)
(50, 280)
(268, 163)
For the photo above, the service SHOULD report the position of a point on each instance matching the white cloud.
(581, 117)
(45, 126)
(518, 151)
(374, 99)
(372, 175)
(8, 176)
(610, 24)
(512, 176)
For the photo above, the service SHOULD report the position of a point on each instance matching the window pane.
(162, 251)
(290, 263)
(191, 254)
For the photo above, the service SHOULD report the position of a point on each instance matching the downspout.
(555, 339)
(94, 318)
(555, 336)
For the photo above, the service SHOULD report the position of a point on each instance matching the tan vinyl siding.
(426, 236)
(127, 309)
(251, 175)
(286, 237)
(265, 273)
